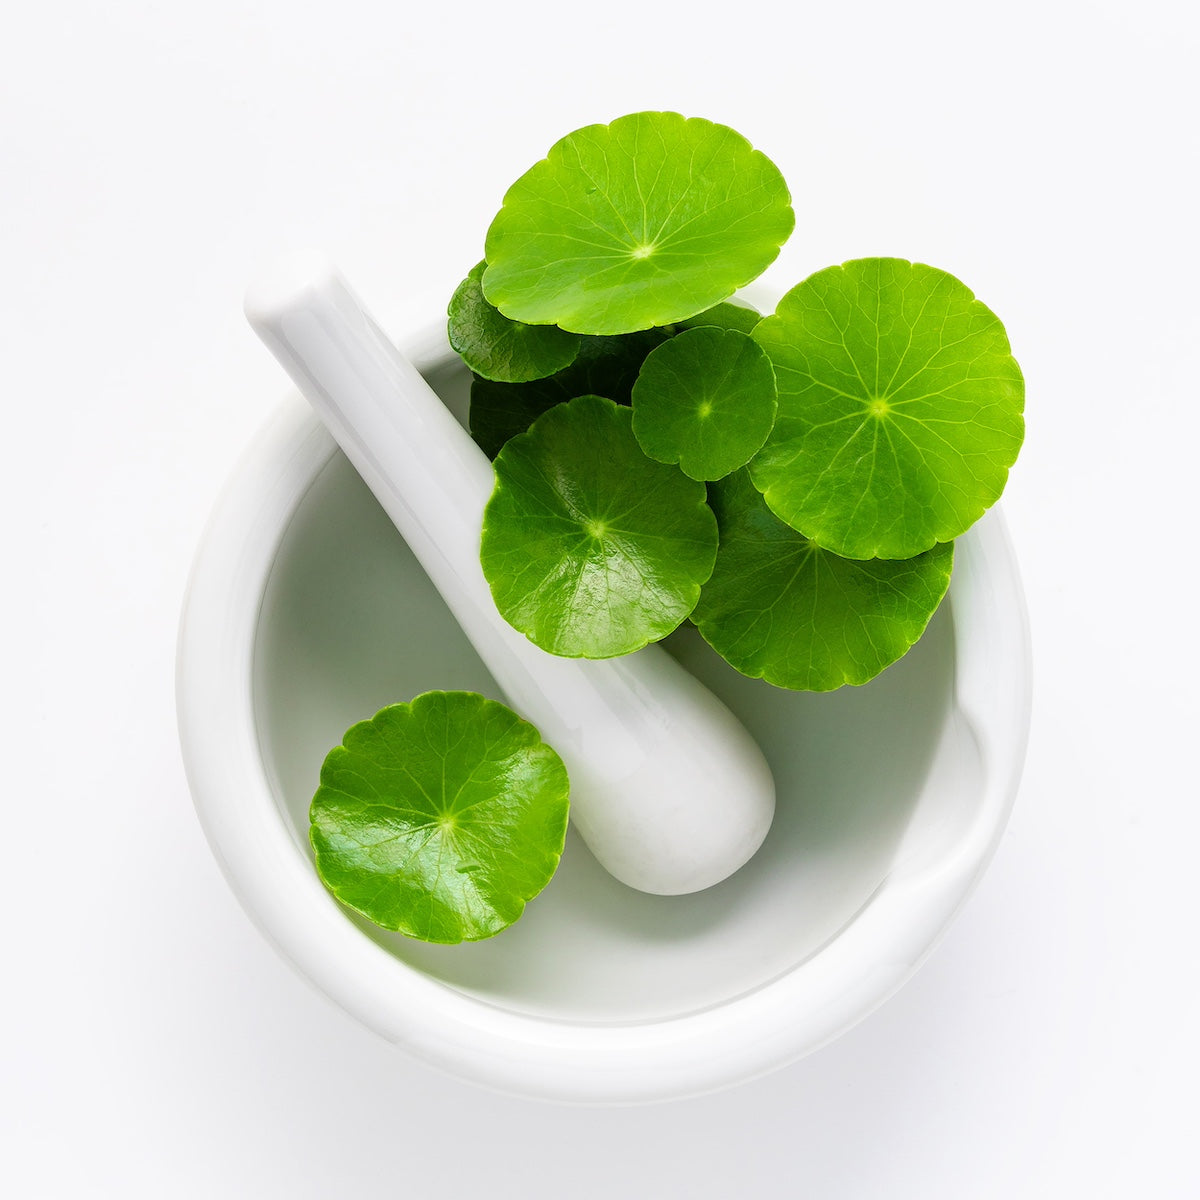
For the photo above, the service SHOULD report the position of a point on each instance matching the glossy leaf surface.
(645, 221)
(592, 549)
(900, 408)
(440, 818)
(780, 608)
(704, 400)
(497, 348)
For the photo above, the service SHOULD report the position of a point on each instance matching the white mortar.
(306, 613)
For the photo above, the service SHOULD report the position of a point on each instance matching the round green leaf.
(497, 348)
(592, 549)
(900, 408)
(440, 818)
(780, 608)
(606, 366)
(704, 400)
(645, 221)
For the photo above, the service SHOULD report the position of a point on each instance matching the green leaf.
(590, 548)
(704, 400)
(497, 348)
(606, 366)
(780, 608)
(645, 221)
(900, 408)
(440, 818)
(727, 315)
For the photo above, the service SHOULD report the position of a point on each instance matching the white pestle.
(668, 790)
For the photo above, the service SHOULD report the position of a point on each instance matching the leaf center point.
(643, 250)
(878, 406)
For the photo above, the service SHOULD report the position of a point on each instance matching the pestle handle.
(668, 790)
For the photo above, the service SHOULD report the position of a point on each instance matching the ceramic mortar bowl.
(306, 612)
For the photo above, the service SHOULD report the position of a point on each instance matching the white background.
(154, 156)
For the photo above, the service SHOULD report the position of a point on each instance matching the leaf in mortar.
(646, 221)
(592, 549)
(900, 408)
(497, 348)
(704, 400)
(440, 818)
(780, 608)
(605, 367)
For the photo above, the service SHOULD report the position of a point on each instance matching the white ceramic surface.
(668, 790)
(307, 612)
